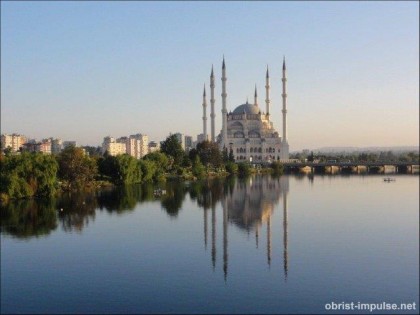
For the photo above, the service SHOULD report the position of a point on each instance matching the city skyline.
(83, 71)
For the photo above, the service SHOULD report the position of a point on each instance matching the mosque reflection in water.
(248, 204)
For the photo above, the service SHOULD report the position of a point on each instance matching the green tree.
(231, 156)
(149, 169)
(161, 160)
(244, 168)
(231, 167)
(173, 148)
(311, 157)
(76, 169)
(209, 153)
(277, 168)
(198, 169)
(28, 174)
(225, 155)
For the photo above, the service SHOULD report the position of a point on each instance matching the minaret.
(267, 94)
(204, 114)
(255, 96)
(285, 145)
(284, 96)
(212, 101)
(224, 111)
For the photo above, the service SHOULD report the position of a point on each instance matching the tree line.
(31, 174)
(389, 156)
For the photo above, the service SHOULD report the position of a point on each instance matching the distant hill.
(396, 149)
(366, 149)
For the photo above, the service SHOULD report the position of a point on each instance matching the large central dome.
(247, 109)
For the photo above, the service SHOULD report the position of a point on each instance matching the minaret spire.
(267, 94)
(212, 101)
(255, 96)
(285, 146)
(204, 113)
(224, 110)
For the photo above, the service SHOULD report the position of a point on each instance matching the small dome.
(247, 109)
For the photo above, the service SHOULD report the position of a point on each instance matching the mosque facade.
(247, 130)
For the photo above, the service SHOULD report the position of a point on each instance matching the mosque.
(248, 131)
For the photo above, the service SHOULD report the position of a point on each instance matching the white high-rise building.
(134, 145)
(154, 146)
(138, 145)
(188, 143)
(56, 146)
(113, 147)
(13, 141)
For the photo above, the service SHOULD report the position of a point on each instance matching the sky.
(85, 70)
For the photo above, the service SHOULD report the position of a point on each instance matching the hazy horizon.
(85, 70)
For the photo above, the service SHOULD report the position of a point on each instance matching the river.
(289, 244)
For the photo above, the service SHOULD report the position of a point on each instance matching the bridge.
(352, 167)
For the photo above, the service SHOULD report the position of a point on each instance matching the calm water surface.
(259, 245)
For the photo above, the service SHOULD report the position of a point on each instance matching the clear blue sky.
(84, 70)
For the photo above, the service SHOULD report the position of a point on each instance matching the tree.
(149, 169)
(231, 167)
(225, 155)
(77, 169)
(120, 169)
(277, 167)
(209, 153)
(27, 175)
(311, 157)
(198, 169)
(160, 159)
(244, 168)
(173, 148)
(231, 156)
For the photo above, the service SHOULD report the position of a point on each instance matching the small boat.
(389, 179)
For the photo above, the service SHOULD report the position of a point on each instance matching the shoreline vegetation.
(29, 174)
(39, 175)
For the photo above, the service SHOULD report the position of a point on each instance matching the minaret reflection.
(285, 241)
(213, 235)
(205, 227)
(256, 235)
(269, 241)
(225, 239)
(249, 205)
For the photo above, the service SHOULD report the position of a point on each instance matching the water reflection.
(248, 204)
(75, 211)
(28, 218)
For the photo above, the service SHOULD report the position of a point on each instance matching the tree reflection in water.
(75, 210)
(174, 197)
(28, 218)
(247, 203)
